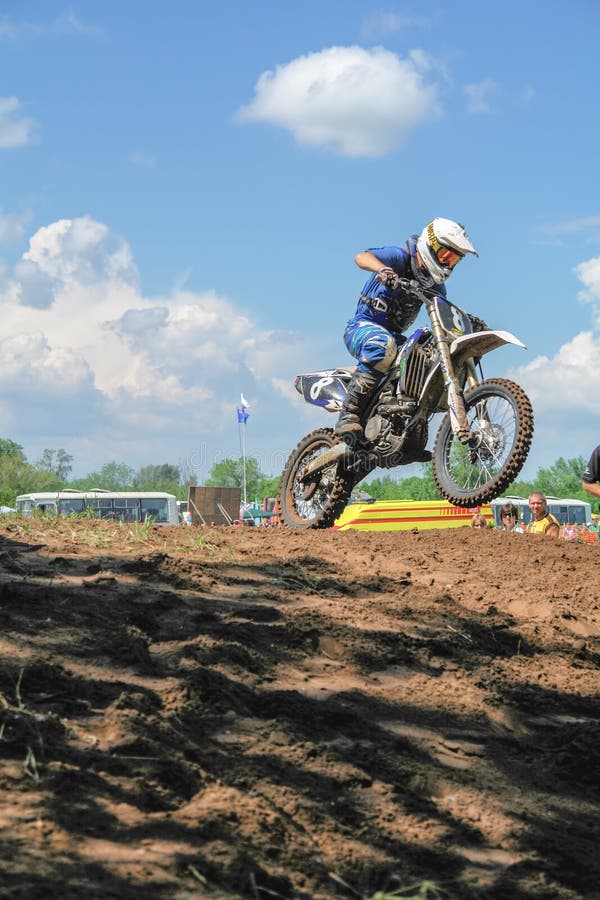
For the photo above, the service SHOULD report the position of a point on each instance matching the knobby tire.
(330, 487)
(473, 478)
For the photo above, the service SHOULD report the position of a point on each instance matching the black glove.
(388, 277)
(478, 324)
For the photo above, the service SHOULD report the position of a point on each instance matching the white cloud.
(31, 285)
(382, 23)
(65, 24)
(588, 273)
(44, 387)
(481, 96)
(586, 227)
(348, 100)
(12, 226)
(575, 368)
(16, 130)
(69, 23)
(573, 226)
(114, 373)
(36, 364)
(81, 250)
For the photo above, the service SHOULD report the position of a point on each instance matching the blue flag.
(242, 416)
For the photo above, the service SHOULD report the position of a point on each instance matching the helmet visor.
(447, 256)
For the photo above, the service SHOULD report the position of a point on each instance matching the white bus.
(567, 511)
(126, 506)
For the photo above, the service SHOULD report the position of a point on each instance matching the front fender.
(462, 348)
(481, 342)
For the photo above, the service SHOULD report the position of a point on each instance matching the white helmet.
(442, 234)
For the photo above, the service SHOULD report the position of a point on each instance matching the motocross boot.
(360, 392)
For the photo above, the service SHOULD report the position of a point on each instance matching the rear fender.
(326, 389)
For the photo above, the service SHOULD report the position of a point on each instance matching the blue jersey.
(394, 310)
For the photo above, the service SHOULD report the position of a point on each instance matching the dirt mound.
(262, 713)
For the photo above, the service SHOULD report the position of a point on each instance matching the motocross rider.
(384, 311)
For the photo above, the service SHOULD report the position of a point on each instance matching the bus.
(125, 506)
(567, 511)
(407, 515)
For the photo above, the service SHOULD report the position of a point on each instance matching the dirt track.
(258, 713)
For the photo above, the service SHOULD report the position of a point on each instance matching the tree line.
(53, 470)
(52, 473)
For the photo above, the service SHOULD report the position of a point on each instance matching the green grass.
(427, 890)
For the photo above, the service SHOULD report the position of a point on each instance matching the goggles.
(447, 257)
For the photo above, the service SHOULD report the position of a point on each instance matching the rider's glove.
(388, 277)
(478, 324)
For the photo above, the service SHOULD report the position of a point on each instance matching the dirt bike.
(481, 444)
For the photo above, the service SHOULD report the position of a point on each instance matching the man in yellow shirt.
(542, 521)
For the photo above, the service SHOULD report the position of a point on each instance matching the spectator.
(569, 531)
(478, 521)
(509, 518)
(543, 522)
(591, 475)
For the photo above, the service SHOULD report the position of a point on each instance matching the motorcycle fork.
(483, 419)
(456, 403)
(471, 378)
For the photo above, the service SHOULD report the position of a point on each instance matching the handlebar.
(412, 286)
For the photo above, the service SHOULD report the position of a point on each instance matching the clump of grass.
(196, 543)
(197, 875)
(90, 536)
(427, 890)
(18, 698)
(30, 766)
(18, 711)
(138, 532)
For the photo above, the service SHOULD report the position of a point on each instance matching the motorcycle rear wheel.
(500, 416)
(318, 502)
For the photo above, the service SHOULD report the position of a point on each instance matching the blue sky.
(185, 186)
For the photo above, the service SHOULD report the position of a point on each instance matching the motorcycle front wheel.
(319, 500)
(500, 418)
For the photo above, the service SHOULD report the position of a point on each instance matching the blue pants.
(372, 345)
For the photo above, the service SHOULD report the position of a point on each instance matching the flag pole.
(242, 417)
(243, 427)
